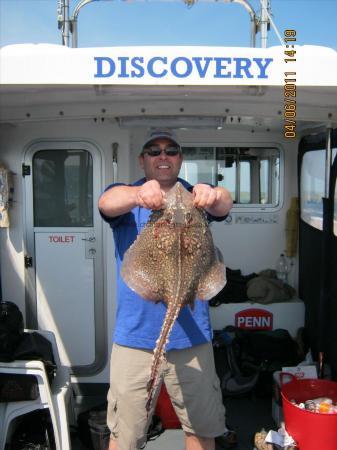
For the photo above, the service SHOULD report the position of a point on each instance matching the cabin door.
(64, 250)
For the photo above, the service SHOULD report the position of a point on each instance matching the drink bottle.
(282, 268)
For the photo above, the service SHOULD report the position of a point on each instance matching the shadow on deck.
(245, 415)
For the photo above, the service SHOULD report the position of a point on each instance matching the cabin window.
(313, 187)
(264, 181)
(63, 183)
(251, 174)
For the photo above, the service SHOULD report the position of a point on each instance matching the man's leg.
(127, 397)
(193, 442)
(112, 445)
(194, 389)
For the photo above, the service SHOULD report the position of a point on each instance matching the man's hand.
(205, 196)
(122, 199)
(150, 196)
(217, 201)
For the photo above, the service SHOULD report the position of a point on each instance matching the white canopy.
(222, 66)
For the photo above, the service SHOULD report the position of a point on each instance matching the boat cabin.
(260, 121)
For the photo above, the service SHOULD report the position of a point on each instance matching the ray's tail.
(158, 354)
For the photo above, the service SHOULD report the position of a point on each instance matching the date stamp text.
(289, 87)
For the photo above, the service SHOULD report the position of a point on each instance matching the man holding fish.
(165, 253)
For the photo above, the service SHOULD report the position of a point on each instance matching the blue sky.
(108, 23)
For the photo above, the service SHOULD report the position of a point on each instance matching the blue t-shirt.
(139, 321)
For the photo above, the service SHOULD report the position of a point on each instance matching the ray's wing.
(214, 279)
(140, 269)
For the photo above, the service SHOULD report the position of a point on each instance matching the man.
(188, 369)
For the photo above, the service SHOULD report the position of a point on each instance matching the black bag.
(260, 346)
(11, 330)
(93, 429)
(266, 352)
(94, 432)
(34, 432)
(18, 387)
(235, 290)
(34, 346)
(235, 380)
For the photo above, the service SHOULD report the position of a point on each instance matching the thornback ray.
(173, 260)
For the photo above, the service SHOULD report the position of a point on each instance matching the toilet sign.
(254, 319)
(61, 238)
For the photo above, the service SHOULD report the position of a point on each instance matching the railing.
(68, 25)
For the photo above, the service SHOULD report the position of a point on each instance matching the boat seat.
(57, 397)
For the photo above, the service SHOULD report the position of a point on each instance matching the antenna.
(63, 20)
(265, 22)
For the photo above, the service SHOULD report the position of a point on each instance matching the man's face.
(163, 168)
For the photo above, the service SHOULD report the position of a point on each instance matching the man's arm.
(120, 200)
(216, 201)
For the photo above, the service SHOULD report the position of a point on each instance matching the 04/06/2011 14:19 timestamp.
(289, 91)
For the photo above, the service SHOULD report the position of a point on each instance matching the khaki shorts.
(191, 382)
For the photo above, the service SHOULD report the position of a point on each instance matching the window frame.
(37, 206)
(306, 218)
(250, 207)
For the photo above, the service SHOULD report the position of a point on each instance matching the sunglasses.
(156, 151)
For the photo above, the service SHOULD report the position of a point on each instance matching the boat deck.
(245, 415)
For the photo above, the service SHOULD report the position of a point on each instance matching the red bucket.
(165, 410)
(310, 430)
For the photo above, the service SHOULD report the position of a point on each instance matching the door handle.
(89, 239)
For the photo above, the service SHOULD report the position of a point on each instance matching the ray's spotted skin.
(175, 261)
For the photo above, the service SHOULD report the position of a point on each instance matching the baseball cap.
(160, 133)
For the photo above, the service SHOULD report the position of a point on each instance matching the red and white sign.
(254, 319)
(300, 372)
(288, 315)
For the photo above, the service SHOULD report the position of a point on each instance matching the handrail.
(253, 19)
(74, 21)
(71, 24)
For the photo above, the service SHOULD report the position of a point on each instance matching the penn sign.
(254, 319)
